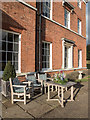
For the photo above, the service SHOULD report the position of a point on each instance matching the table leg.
(62, 97)
(72, 93)
(48, 92)
(58, 91)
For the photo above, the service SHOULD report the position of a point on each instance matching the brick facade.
(19, 18)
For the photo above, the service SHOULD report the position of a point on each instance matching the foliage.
(72, 76)
(88, 52)
(60, 78)
(9, 71)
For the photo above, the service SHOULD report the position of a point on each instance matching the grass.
(88, 66)
(85, 79)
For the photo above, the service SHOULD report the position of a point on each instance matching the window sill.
(46, 69)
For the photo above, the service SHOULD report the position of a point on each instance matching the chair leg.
(24, 96)
(18, 96)
(29, 96)
(12, 98)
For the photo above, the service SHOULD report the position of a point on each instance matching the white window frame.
(44, 69)
(19, 51)
(79, 26)
(79, 3)
(68, 18)
(51, 4)
(80, 58)
(70, 55)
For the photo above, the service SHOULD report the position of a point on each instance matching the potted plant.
(60, 78)
(9, 71)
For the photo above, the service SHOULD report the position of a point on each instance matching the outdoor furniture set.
(28, 87)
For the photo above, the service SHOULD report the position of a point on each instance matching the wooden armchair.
(43, 77)
(18, 89)
(36, 83)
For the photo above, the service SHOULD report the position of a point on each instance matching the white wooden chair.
(43, 77)
(18, 90)
(36, 83)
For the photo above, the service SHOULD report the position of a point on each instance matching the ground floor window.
(79, 58)
(9, 49)
(46, 55)
(67, 56)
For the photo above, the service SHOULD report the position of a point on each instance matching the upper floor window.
(67, 18)
(79, 26)
(79, 3)
(47, 8)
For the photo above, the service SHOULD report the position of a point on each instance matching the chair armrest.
(19, 86)
(28, 82)
(50, 79)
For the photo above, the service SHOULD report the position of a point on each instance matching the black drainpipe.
(39, 35)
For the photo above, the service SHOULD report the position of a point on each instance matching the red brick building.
(47, 36)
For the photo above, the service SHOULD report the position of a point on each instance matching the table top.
(68, 84)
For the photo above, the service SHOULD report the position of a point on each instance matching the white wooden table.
(60, 91)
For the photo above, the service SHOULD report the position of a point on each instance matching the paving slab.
(35, 109)
(40, 108)
(14, 112)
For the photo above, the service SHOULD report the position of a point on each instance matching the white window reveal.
(46, 55)
(67, 18)
(47, 8)
(79, 3)
(79, 26)
(9, 49)
(79, 58)
(67, 56)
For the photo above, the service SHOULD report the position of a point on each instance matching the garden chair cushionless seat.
(18, 89)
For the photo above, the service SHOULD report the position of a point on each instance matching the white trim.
(50, 55)
(80, 59)
(62, 26)
(43, 69)
(10, 32)
(56, 70)
(28, 5)
(51, 9)
(19, 55)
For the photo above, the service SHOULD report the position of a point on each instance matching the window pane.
(3, 65)
(42, 45)
(0, 45)
(43, 65)
(0, 56)
(3, 56)
(10, 46)
(4, 46)
(15, 56)
(10, 37)
(16, 47)
(15, 65)
(16, 38)
(0, 66)
(3, 35)
(9, 56)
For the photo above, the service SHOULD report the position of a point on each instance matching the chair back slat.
(31, 78)
(42, 76)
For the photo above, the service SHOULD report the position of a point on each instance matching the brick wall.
(21, 19)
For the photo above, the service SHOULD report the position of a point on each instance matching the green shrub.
(72, 76)
(9, 71)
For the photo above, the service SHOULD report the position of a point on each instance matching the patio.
(38, 107)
